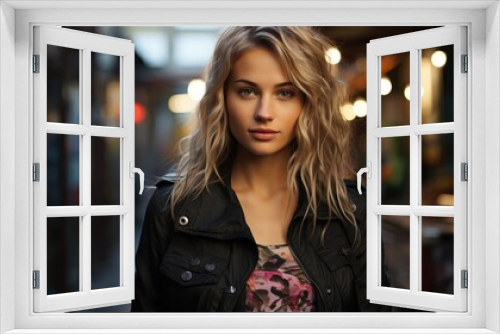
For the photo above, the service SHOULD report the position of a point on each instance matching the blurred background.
(169, 63)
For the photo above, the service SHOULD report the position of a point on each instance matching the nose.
(264, 112)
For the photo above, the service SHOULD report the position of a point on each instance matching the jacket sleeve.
(358, 256)
(152, 246)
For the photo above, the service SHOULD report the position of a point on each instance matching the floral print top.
(278, 284)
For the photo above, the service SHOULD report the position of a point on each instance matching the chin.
(264, 151)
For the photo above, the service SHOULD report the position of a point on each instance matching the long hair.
(318, 157)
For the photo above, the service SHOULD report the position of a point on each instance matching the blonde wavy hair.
(319, 148)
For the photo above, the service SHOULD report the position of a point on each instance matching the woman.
(258, 216)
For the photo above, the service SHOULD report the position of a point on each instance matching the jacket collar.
(217, 212)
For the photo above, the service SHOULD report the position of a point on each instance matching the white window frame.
(413, 44)
(85, 44)
(16, 126)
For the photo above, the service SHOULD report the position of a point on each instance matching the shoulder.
(359, 200)
(163, 189)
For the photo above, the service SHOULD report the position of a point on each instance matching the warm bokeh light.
(181, 103)
(445, 199)
(140, 113)
(333, 56)
(385, 86)
(348, 112)
(438, 59)
(407, 92)
(196, 89)
(360, 108)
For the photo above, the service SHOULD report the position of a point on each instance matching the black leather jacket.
(200, 261)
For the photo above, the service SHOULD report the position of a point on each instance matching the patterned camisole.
(278, 284)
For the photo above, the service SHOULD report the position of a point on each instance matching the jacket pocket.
(333, 258)
(191, 262)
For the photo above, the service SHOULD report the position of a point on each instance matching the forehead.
(259, 64)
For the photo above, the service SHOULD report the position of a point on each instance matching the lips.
(263, 134)
(263, 130)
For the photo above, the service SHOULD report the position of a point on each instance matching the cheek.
(294, 118)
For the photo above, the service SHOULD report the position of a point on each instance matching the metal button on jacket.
(183, 220)
(209, 267)
(186, 276)
(231, 289)
(195, 261)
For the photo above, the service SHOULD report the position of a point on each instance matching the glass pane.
(394, 87)
(105, 258)
(437, 254)
(63, 85)
(105, 171)
(63, 169)
(63, 255)
(437, 169)
(396, 241)
(395, 171)
(105, 97)
(438, 83)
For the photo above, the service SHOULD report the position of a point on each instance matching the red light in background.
(140, 112)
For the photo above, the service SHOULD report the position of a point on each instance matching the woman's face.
(262, 104)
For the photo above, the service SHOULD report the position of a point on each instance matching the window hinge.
(36, 172)
(36, 279)
(465, 64)
(36, 63)
(465, 279)
(464, 172)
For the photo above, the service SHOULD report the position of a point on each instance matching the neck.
(265, 175)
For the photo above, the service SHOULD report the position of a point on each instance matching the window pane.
(395, 79)
(437, 254)
(105, 239)
(63, 169)
(63, 255)
(105, 89)
(396, 241)
(395, 171)
(438, 83)
(105, 171)
(437, 169)
(63, 85)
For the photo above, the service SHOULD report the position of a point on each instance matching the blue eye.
(287, 93)
(246, 91)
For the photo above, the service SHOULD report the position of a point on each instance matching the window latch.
(133, 170)
(465, 64)
(368, 171)
(36, 279)
(465, 279)
(464, 171)
(36, 63)
(36, 172)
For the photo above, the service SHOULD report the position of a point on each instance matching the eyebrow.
(283, 84)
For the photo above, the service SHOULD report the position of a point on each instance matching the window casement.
(76, 127)
(442, 119)
(483, 22)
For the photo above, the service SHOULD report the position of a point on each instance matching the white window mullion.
(86, 165)
(127, 105)
(76, 129)
(373, 184)
(123, 177)
(82, 176)
(415, 97)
